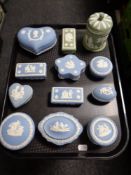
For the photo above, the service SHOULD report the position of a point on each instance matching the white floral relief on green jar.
(99, 26)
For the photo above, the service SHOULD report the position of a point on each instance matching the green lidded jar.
(99, 26)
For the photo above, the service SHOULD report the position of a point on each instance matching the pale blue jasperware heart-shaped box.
(37, 40)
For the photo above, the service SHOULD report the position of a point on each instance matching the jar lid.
(17, 131)
(100, 23)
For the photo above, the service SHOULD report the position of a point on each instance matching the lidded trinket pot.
(99, 26)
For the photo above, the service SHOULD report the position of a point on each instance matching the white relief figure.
(15, 129)
(70, 64)
(18, 93)
(106, 91)
(68, 37)
(102, 64)
(67, 94)
(35, 34)
(103, 130)
(60, 127)
(30, 69)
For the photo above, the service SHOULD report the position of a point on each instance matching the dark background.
(24, 12)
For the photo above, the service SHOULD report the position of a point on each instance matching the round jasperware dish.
(17, 131)
(102, 131)
(100, 66)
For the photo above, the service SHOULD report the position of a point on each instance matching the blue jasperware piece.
(104, 93)
(60, 128)
(17, 131)
(20, 94)
(100, 66)
(102, 131)
(37, 40)
(70, 67)
(31, 71)
(67, 95)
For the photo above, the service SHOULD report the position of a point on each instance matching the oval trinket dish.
(102, 131)
(70, 67)
(60, 128)
(17, 131)
(100, 66)
(104, 93)
(37, 40)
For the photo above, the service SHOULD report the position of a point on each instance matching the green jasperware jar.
(99, 26)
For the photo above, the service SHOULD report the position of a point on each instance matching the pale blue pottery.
(17, 131)
(104, 93)
(100, 66)
(31, 71)
(67, 95)
(70, 67)
(27, 94)
(60, 128)
(37, 40)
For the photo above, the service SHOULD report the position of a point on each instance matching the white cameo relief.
(18, 93)
(15, 129)
(60, 127)
(102, 64)
(30, 69)
(36, 34)
(103, 130)
(70, 64)
(67, 94)
(68, 37)
(106, 91)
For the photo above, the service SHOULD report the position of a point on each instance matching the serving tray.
(40, 105)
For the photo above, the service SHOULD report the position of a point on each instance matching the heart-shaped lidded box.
(37, 40)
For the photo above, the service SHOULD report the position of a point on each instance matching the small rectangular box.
(67, 95)
(69, 40)
(31, 70)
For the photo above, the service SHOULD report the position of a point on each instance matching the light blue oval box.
(100, 66)
(104, 93)
(60, 128)
(102, 131)
(20, 94)
(37, 40)
(17, 131)
(70, 67)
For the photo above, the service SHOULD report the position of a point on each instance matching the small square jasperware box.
(41, 105)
